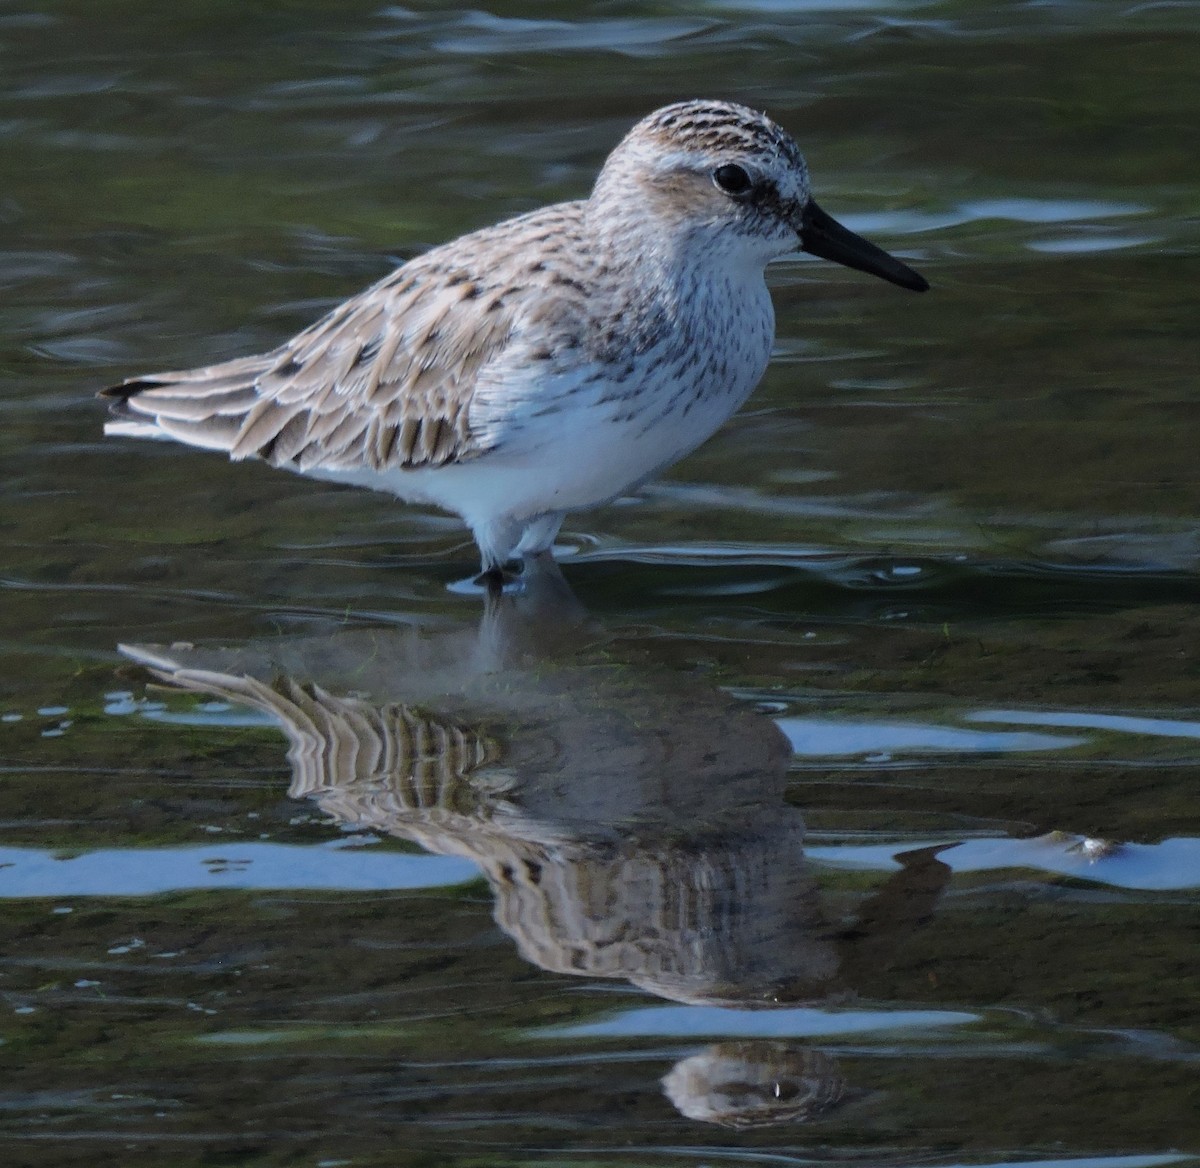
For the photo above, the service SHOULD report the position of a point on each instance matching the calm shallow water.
(847, 811)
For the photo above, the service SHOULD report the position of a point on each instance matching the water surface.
(846, 810)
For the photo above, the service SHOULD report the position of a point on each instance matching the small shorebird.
(548, 363)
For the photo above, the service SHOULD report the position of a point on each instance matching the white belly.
(584, 452)
(563, 436)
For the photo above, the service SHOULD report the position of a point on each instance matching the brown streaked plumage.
(384, 381)
(548, 363)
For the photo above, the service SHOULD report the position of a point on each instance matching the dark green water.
(608, 881)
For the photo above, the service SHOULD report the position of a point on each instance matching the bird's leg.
(492, 580)
(498, 577)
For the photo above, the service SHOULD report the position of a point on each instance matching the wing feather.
(386, 380)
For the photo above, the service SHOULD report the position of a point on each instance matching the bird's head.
(731, 176)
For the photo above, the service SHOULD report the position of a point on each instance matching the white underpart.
(574, 440)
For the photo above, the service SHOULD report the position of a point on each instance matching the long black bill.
(822, 235)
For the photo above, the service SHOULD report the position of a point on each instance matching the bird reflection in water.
(631, 821)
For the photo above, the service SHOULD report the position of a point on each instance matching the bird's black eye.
(733, 180)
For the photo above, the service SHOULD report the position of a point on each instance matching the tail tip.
(124, 390)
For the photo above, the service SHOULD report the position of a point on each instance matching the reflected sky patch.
(1087, 720)
(1032, 211)
(842, 738)
(721, 1022)
(1173, 864)
(26, 872)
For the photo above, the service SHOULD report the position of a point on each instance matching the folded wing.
(384, 381)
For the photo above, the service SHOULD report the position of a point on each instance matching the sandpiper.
(552, 362)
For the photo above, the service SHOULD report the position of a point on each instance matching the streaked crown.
(720, 128)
